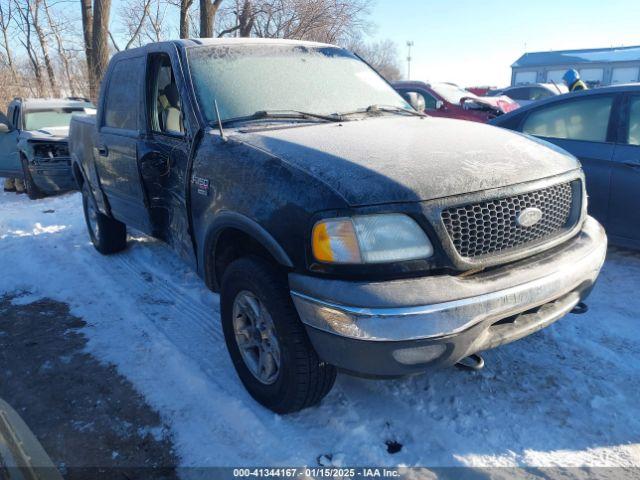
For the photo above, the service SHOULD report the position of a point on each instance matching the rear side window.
(633, 137)
(581, 119)
(123, 95)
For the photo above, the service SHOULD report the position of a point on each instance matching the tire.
(33, 192)
(108, 235)
(302, 379)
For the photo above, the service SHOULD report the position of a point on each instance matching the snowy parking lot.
(566, 396)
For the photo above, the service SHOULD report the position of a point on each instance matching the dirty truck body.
(35, 147)
(358, 235)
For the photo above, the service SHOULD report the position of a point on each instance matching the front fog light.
(418, 355)
(370, 239)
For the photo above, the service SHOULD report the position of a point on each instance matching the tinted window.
(633, 137)
(582, 119)
(123, 95)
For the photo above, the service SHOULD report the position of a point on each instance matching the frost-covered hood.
(48, 133)
(404, 159)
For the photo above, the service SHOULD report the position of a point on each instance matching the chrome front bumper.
(461, 315)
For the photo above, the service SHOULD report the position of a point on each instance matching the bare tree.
(208, 10)
(143, 21)
(95, 28)
(56, 28)
(35, 8)
(382, 55)
(25, 25)
(6, 19)
(134, 16)
(332, 21)
(185, 5)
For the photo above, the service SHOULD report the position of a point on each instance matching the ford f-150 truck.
(343, 229)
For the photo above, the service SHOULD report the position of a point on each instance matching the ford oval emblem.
(529, 217)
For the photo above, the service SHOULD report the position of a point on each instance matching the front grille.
(490, 227)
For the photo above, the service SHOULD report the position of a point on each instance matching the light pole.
(409, 45)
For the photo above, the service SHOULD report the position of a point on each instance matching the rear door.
(116, 149)
(624, 211)
(9, 159)
(583, 126)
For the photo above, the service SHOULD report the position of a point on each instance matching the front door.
(581, 126)
(624, 209)
(116, 150)
(164, 155)
(9, 159)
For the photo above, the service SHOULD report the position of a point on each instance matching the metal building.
(597, 66)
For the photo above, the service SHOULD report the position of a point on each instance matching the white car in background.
(532, 92)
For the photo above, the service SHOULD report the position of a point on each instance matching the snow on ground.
(566, 396)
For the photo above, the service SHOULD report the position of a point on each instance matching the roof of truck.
(247, 41)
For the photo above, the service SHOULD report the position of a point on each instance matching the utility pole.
(409, 45)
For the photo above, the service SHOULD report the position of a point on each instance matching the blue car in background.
(602, 128)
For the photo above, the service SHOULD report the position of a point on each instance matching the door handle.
(103, 151)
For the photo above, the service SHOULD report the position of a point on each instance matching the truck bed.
(81, 139)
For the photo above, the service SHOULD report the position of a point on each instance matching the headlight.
(369, 239)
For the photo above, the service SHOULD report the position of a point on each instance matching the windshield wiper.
(284, 115)
(374, 109)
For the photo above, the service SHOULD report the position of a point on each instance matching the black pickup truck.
(343, 229)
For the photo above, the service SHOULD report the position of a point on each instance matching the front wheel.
(267, 342)
(108, 235)
(33, 192)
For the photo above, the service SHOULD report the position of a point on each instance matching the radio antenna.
(222, 135)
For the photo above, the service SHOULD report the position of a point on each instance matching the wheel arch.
(232, 235)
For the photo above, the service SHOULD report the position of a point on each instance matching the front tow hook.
(580, 308)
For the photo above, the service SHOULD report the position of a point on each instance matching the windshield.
(451, 93)
(250, 78)
(52, 117)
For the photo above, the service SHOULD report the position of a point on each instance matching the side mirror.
(4, 128)
(439, 104)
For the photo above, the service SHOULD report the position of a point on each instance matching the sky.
(475, 42)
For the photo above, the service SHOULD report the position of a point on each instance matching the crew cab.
(343, 229)
(33, 143)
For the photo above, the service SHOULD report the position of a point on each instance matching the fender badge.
(202, 185)
(529, 217)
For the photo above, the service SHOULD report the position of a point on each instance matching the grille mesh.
(489, 227)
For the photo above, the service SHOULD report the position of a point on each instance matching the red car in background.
(449, 100)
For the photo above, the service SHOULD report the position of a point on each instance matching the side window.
(429, 101)
(415, 98)
(165, 108)
(633, 136)
(582, 119)
(123, 95)
(519, 93)
(539, 93)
